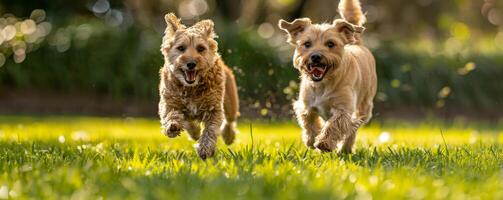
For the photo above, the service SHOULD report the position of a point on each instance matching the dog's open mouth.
(317, 71)
(190, 76)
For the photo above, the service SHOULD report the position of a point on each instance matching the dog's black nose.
(191, 65)
(315, 58)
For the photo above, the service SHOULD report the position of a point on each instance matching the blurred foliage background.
(102, 56)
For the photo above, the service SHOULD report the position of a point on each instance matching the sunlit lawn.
(90, 158)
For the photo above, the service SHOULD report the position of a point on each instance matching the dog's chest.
(321, 103)
(196, 107)
(191, 108)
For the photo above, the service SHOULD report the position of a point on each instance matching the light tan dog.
(338, 78)
(196, 86)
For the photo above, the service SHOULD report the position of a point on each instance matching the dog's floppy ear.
(206, 27)
(294, 28)
(348, 30)
(173, 24)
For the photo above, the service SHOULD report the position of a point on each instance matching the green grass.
(111, 158)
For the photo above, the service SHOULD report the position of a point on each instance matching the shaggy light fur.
(206, 93)
(338, 78)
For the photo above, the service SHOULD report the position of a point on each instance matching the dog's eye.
(330, 44)
(181, 48)
(307, 44)
(200, 49)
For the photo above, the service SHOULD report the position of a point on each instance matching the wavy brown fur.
(210, 98)
(351, 11)
(330, 109)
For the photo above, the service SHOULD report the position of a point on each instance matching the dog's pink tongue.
(191, 75)
(317, 71)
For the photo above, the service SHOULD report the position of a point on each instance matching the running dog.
(196, 86)
(338, 78)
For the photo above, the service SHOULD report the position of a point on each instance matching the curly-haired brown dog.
(196, 86)
(338, 78)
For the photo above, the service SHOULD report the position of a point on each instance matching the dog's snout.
(191, 65)
(315, 58)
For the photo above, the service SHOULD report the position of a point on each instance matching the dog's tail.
(351, 11)
(231, 108)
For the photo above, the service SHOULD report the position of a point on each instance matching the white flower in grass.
(98, 148)
(61, 139)
(384, 137)
(82, 147)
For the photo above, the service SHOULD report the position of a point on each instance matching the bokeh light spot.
(28, 27)
(265, 30)
(101, 6)
(460, 31)
(470, 66)
(38, 15)
(494, 16)
(9, 32)
(395, 83)
(45, 28)
(2, 38)
(444, 92)
(19, 58)
(384, 137)
(114, 17)
(264, 111)
(189, 9)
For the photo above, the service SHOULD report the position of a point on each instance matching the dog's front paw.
(205, 150)
(171, 130)
(325, 144)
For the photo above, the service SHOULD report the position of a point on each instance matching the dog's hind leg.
(365, 112)
(231, 108)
